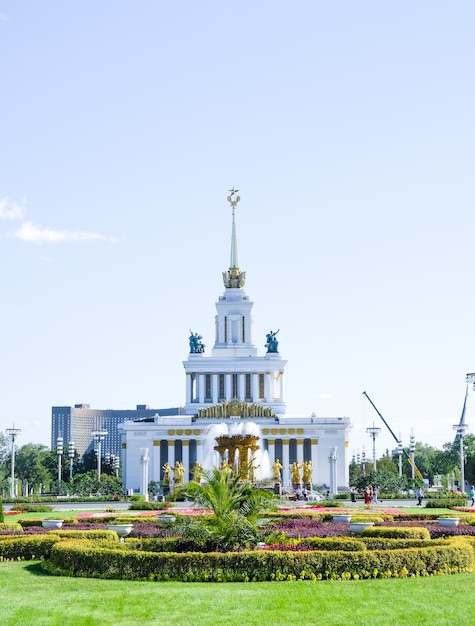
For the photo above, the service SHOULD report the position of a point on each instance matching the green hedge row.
(27, 546)
(397, 532)
(84, 558)
(445, 503)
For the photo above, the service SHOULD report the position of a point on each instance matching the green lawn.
(29, 596)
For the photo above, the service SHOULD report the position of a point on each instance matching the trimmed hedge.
(446, 503)
(387, 543)
(12, 527)
(84, 558)
(27, 547)
(397, 532)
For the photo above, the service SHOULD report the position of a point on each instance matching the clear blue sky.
(348, 128)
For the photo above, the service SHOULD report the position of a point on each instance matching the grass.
(29, 596)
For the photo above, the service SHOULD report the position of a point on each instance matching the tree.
(30, 466)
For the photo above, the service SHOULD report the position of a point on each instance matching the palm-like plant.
(236, 505)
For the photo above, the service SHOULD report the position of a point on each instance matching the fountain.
(237, 445)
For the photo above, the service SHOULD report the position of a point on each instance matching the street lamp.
(399, 453)
(374, 432)
(116, 465)
(71, 451)
(461, 428)
(59, 452)
(13, 434)
(412, 448)
(99, 436)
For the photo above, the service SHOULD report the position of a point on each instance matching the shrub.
(445, 503)
(396, 532)
(14, 527)
(27, 547)
(28, 507)
(85, 558)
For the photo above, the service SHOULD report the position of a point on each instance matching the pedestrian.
(367, 495)
(419, 496)
(472, 495)
(375, 494)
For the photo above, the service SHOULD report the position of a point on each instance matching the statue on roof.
(272, 344)
(196, 345)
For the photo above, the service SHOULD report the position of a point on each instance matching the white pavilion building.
(235, 391)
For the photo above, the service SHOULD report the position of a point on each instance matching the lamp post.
(412, 448)
(59, 452)
(71, 457)
(13, 434)
(116, 465)
(99, 436)
(399, 453)
(374, 432)
(461, 428)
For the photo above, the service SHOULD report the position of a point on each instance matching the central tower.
(234, 371)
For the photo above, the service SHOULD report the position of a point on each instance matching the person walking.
(472, 495)
(419, 496)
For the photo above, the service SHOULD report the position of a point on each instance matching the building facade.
(78, 423)
(235, 393)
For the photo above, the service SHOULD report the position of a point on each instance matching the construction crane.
(406, 453)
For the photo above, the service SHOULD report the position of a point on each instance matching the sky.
(348, 128)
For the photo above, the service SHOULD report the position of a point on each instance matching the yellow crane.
(406, 453)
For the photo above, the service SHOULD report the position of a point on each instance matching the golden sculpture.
(276, 469)
(167, 473)
(296, 473)
(178, 473)
(197, 472)
(307, 472)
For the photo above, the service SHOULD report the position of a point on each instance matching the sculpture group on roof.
(196, 345)
(272, 344)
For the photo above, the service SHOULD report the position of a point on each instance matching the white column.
(186, 458)
(255, 387)
(242, 387)
(199, 451)
(285, 463)
(215, 388)
(282, 389)
(171, 452)
(332, 459)
(314, 450)
(144, 459)
(188, 388)
(268, 387)
(300, 458)
(156, 460)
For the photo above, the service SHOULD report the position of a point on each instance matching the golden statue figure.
(296, 473)
(307, 472)
(178, 473)
(167, 473)
(197, 471)
(276, 469)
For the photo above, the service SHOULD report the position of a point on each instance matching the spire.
(233, 199)
(234, 278)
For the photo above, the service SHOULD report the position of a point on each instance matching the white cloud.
(10, 210)
(31, 233)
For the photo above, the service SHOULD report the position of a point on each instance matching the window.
(261, 386)
(221, 395)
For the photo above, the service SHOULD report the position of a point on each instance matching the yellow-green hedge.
(84, 558)
(27, 546)
(397, 532)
